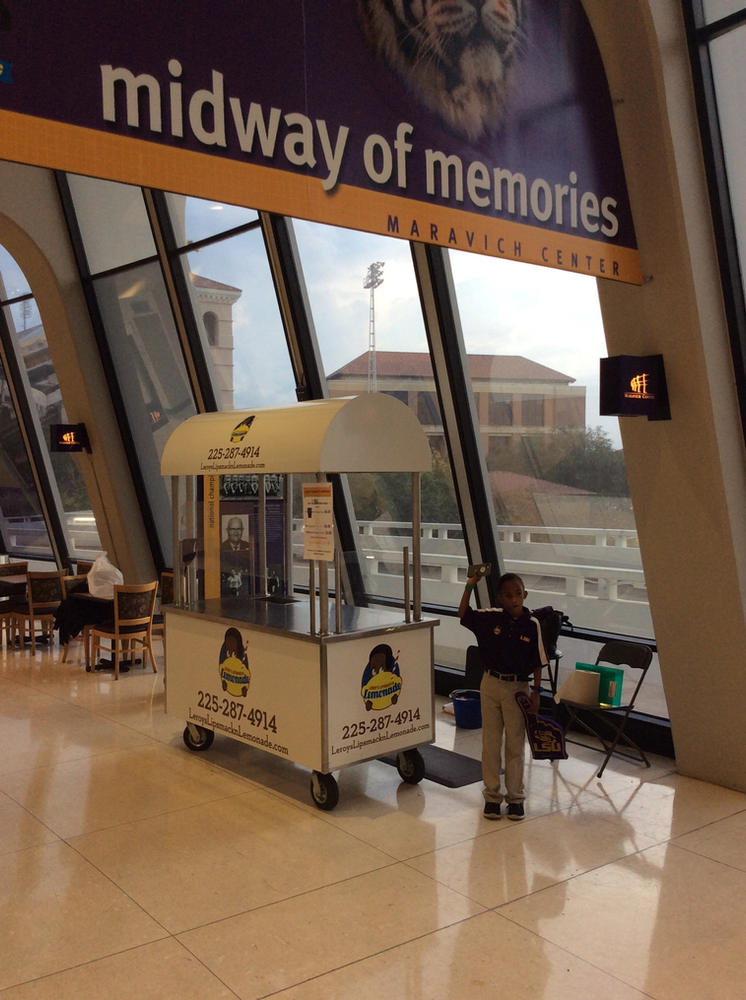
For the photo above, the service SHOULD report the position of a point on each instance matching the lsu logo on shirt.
(525, 638)
(496, 630)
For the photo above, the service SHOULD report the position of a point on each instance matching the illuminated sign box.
(634, 387)
(69, 437)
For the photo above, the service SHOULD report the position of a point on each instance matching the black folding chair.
(550, 633)
(613, 721)
(473, 669)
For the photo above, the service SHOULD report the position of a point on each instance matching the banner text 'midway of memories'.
(569, 219)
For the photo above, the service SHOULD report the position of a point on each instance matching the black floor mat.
(446, 767)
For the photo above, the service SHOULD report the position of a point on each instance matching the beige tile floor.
(130, 868)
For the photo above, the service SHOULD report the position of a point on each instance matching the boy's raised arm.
(470, 584)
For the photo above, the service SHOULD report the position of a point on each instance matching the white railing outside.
(594, 574)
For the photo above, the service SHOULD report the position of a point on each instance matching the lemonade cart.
(314, 680)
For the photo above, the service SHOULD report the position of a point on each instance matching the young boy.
(510, 643)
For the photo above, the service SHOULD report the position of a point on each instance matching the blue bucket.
(467, 709)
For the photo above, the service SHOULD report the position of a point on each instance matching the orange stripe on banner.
(57, 146)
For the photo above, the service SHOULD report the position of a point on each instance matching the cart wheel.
(225, 686)
(324, 790)
(394, 698)
(203, 740)
(411, 766)
(368, 706)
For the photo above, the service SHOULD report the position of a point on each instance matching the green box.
(609, 685)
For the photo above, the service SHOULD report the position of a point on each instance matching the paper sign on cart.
(318, 521)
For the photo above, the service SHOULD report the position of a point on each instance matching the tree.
(583, 458)
(387, 496)
(588, 460)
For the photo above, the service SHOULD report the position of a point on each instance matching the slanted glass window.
(728, 54)
(716, 9)
(234, 300)
(558, 478)
(350, 321)
(22, 527)
(113, 222)
(25, 324)
(150, 369)
(29, 342)
(197, 219)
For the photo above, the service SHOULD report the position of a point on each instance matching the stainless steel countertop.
(294, 617)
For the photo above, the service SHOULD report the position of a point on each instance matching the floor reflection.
(131, 867)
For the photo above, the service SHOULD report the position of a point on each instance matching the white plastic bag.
(102, 576)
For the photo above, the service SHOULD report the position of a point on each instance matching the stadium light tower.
(373, 279)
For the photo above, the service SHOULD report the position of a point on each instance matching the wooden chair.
(83, 568)
(45, 591)
(9, 605)
(8, 610)
(13, 568)
(165, 596)
(72, 585)
(132, 625)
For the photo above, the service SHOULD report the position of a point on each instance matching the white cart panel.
(383, 703)
(278, 713)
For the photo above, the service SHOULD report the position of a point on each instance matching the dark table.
(80, 610)
(13, 586)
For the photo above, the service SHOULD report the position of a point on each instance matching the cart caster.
(411, 766)
(324, 790)
(197, 738)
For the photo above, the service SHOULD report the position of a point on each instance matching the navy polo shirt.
(508, 645)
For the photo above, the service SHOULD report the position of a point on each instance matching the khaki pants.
(501, 715)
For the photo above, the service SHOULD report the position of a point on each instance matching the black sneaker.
(515, 810)
(492, 810)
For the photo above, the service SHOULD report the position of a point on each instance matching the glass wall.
(235, 302)
(714, 10)
(728, 58)
(113, 222)
(556, 469)
(533, 339)
(150, 371)
(355, 309)
(23, 525)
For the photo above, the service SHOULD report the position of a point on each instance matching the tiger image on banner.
(381, 684)
(456, 56)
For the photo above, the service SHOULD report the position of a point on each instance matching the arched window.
(30, 403)
(211, 326)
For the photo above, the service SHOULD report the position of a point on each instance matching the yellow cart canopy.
(369, 433)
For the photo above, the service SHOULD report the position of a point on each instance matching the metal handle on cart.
(337, 592)
(323, 597)
(407, 604)
(312, 594)
(416, 546)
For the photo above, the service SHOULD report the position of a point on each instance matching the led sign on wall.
(633, 387)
